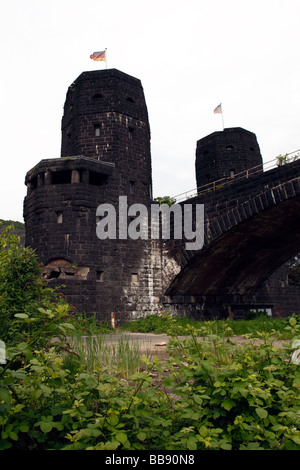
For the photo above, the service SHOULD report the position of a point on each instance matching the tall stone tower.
(106, 119)
(226, 153)
(105, 154)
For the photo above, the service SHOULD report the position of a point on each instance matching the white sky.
(190, 56)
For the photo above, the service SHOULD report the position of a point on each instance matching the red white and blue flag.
(218, 109)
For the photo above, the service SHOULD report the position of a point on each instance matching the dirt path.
(156, 344)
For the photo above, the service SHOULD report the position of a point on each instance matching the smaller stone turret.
(226, 153)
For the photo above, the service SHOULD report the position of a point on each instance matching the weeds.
(161, 325)
(121, 357)
(211, 395)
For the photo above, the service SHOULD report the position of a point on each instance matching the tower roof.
(226, 133)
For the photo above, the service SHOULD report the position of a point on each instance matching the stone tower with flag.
(225, 154)
(105, 154)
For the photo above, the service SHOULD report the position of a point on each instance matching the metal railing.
(245, 174)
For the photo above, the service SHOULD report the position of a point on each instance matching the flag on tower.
(218, 109)
(99, 56)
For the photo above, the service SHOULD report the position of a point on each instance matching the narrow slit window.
(97, 130)
(130, 133)
(134, 278)
(132, 187)
(100, 276)
(231, 173)
(59, 217)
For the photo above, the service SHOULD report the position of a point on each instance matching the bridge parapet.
(221, 183)
(251, 228)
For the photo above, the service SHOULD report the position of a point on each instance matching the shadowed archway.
(239, 260)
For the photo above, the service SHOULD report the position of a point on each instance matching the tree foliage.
(24, 294)
(168, 200)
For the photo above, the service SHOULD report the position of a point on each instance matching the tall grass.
(121, 357)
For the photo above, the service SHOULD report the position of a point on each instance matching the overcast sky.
(189, 55)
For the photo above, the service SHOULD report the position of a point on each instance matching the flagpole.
(223, 119)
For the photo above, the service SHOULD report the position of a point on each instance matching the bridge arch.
(246, 238)
(239, 260)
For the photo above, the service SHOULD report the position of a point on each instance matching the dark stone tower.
(105, 154)
(225, 154)
(105, 118)
(105, 158)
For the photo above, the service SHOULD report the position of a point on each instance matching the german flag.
(99, 56)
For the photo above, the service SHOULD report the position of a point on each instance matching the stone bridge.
(251, 224)
(251, 229)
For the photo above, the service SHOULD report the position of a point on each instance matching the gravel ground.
(156, 343)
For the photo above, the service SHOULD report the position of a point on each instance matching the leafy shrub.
(212, 394)
(244, 397)
(91, 325)
(215, 396)
(161, 324)
(30, 311)
(166, 200)
(250, 315)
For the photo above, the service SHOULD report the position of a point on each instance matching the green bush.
(89, 324)
(211, 395)
(30, 311)
(215, 396)
(161, 324)
(250, 315)
(236, 397)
